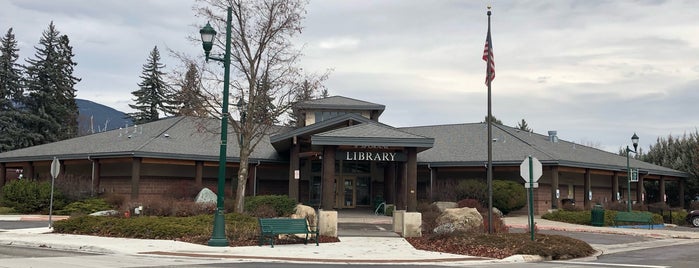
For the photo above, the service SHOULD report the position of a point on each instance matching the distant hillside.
(95, 117)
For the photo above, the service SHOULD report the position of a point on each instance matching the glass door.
(350, 192)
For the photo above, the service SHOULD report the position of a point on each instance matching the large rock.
(459, 219)
(444, 205)
(205, 196)
(303, 211)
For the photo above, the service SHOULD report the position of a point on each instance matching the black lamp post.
(634, 140)
(218, 238)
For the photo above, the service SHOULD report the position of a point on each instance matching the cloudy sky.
(595, 71)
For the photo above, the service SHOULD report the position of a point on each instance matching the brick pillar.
(588, 188)
(615, 186)
(135, 177)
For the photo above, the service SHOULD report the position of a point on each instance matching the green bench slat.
(634, 218)
(270, 227)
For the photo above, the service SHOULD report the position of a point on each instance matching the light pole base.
(218, 238)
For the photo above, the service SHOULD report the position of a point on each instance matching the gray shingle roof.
(187, 138)
(465, 145)
(452, 145)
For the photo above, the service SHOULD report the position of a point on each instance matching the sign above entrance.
(371, 156)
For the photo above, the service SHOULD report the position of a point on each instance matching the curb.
(310, 260)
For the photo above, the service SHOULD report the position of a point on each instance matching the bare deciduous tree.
(264, 71)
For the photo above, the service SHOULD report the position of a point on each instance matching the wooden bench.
(634, 217)
(271, 227)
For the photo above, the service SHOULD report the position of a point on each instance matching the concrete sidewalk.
(669, 231)
(359, 250)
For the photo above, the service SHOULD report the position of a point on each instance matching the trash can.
(597, 216)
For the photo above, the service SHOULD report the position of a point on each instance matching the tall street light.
(634, 139)
(218, 238)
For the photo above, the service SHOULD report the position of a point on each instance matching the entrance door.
(349, 199)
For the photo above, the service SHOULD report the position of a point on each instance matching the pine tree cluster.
(37, 100)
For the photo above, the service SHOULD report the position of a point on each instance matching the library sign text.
(370, 156)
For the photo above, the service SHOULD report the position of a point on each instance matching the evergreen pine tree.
(10, 72)
(10, 93)
(189, 101)
(51, 86)
(152, 95)
(524, 126)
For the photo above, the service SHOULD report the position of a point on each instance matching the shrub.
(679, 216)
(508, 196)
(196, 229)
(498, 224)
(575, 217)
(84, 207)
(264, 211)
(114, 200)
(28, 196)
(616, 206)
(6, 210)
(430, 213)
(183, 190)
(74, 188)
(571, 207)
(165, 207)
(472, 189)
(471, 203)
(283, 205)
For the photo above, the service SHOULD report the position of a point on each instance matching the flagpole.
(490, 136)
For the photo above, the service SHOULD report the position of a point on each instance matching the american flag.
(489, 58)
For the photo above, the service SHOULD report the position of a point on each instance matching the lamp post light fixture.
(218, 237)
(634, 140)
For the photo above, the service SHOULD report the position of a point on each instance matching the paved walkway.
(361, 250)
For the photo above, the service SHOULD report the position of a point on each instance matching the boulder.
(303, 211)
(105, 213)
(444, 205)
(205, 196)
(458, 219)
(496, 211)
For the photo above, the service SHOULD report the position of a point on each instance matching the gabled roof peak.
(339, 103)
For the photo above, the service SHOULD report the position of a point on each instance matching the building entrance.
(349, 193)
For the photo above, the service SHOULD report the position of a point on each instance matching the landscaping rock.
(444, 205)
(205, 196)
(496, 211)
(105, 213)
(458, 219)
(303, 211)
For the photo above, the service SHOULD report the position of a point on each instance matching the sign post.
(55, 169)
(531, 171)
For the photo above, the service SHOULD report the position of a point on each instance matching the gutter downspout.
(254, 181)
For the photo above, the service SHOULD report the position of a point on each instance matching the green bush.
(508, 196)
(472, 189)
(283, 205)
(6, 210)
(575, 217)
(196, 229)
(28, 196)
(86, 206)
(584, 217)
(679, 216)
